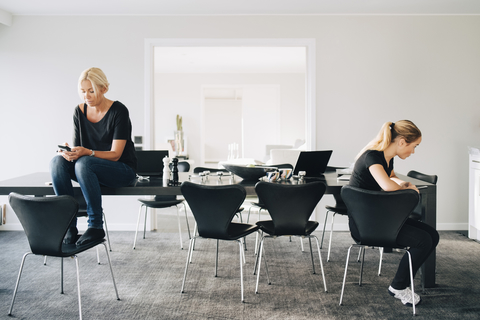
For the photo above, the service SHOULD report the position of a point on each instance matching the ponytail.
(389, 132)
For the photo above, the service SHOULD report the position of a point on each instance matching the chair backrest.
(45, 220)
(183, 166)
(422, 176)
(213, 206)
(202, 169)
(290, 205)
(379, 215)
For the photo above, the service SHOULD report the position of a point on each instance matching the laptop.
(314, 163)
(150, 162)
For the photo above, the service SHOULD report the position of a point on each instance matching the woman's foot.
(91, 235)
(71, 235)
(405, 295)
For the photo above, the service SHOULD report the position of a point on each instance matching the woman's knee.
(83, 166)
(58, 163)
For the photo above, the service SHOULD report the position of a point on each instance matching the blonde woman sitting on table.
(103, 153)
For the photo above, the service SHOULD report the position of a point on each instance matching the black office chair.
(261, 206)
(378, 216)
(161, 202)
(82, 213)
(214, 208)
(45, 221)
(418, 212)
(290, 207)
(338, 208)
(216, 170)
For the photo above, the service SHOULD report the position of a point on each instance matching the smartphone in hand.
(64, 148)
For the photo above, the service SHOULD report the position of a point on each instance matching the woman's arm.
(113, 155)
(387, 183)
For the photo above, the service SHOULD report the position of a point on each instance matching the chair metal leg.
(189, 256)
(61, 275)
(331, 235)
(179, 228)
(380, 263)
(240, 245)
(360, 253)
(98, 256)
(256, 257)
(321, 263)
(111, 271)
(311, 253)
(361, 267)
(106, 231)
(186, 219)
(259, 257)
(301, 244)
(78, 288)
(18, 280)
(138, 222)
(324, 225)
(345, 275)
(193, 239)
(216, 259)
(412, 285)
(145, 222)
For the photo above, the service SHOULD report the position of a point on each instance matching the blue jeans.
(90, 173)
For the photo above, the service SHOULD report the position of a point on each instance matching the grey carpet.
(149, 281)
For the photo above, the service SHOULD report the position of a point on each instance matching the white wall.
(370, 69)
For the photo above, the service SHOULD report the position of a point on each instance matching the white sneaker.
(404, 295)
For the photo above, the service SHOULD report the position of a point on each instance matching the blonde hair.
(97, 78)
(405, 129)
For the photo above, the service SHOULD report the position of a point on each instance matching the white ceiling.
(221, 7)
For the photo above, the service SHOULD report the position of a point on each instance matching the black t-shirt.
(361, 176)
(115, 125)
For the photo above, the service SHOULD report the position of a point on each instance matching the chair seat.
(268, 227)
(69, 250)
(235, 231)
(160, 204)
(337, 209)
(240, 230)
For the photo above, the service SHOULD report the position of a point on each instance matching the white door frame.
(310, 97)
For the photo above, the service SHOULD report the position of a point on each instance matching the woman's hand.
(75, 153)
(408, 185)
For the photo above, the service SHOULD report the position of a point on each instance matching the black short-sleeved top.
(361, 176)
(115, 125)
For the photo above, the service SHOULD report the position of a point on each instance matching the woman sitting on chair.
(102, 154)
(373, 170)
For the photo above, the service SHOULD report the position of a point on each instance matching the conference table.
(38, 184)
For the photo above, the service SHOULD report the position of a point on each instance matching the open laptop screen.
(150, 162)
(314, 163)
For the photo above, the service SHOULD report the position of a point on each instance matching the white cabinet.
(474, 194)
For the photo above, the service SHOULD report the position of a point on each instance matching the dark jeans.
(422, 240)
(90, 173)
